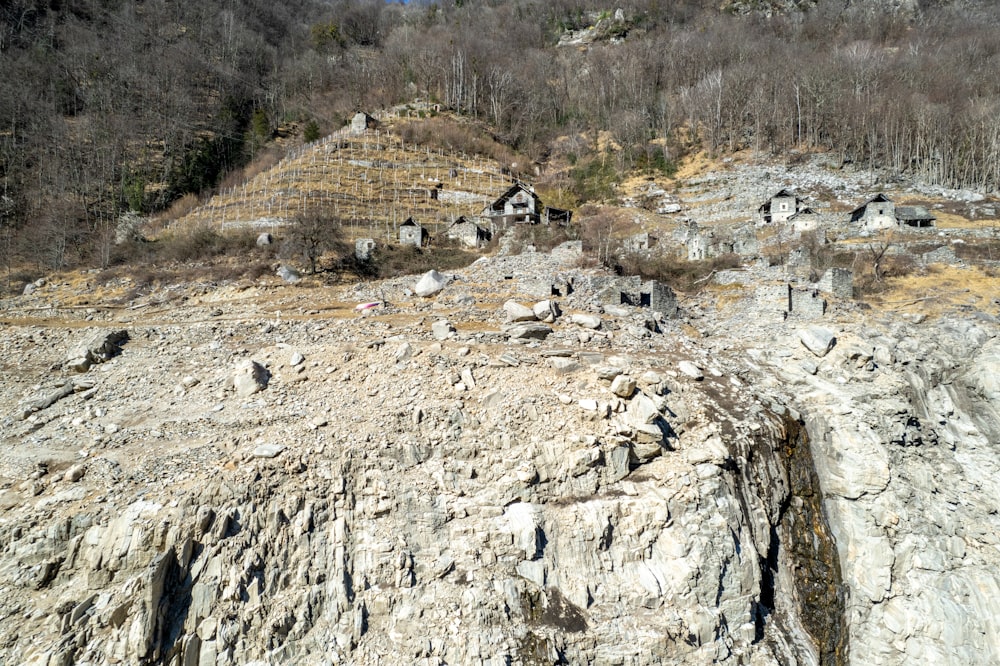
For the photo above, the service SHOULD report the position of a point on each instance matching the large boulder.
(96, 348)
(442, 329)
(249, 378)
(547, 311)
(691, 370)
(517, 312)
(429, 284)
(818, 340)
(586, 320)
(288, 274)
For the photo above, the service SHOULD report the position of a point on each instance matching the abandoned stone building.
(837, 281)
(780, 207)
(882, 213)
(363, 248)
(806, 219)
(876, 213)
(361, 122)
(520, 205)
(639, 243)
(698, 245)
(411, 233)
(631, 290)
(468, 232)
(781, 301)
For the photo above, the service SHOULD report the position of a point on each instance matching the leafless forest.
(112, 105)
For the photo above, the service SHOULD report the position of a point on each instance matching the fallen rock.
(288, 274)
(547, 311)
(268, 451)
(442, 329)
(691, 370)
(623, 386)
(818, 340)
(429, 284)
(249, 378)
(586, 320)
(97, 348)
(529, 330)
(517, 312)
(608, 372)
(75, 473)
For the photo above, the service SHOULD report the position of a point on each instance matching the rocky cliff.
(274, 477)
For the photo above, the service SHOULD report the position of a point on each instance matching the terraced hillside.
(373, 181)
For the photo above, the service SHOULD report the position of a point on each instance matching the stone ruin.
(363, 248)
(837, 281)
(633, 291)
(361, 122)
(784, 300)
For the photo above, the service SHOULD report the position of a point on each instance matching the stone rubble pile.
(496, 473)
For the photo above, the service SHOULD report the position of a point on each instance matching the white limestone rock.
(585, 320)
(442, 329)
(528, 331)
(429, 284)
(691, 370)
(623, 386)
(818, 340)
(250, 377)
(517, 312)
(547, 311)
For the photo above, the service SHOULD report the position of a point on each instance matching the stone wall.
(837, 281)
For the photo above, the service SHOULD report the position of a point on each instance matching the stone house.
(411, 233)
(805, 220)
(698, 245)
(468, 232)
(520, 205)
(780, 207)
(639, 243)
(361, 122)
(876, 213)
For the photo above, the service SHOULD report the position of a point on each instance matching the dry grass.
(953, 221)
(696, 165)
(727, 294)
(941, 289)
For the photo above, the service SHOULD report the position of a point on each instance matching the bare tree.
(310, 235)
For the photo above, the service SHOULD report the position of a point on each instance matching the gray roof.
(913, 213)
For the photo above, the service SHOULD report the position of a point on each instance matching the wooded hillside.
(109, 105)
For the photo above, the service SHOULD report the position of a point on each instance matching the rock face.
(907, 538)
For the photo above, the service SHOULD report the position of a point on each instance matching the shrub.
(395, 260)
(680, 274)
